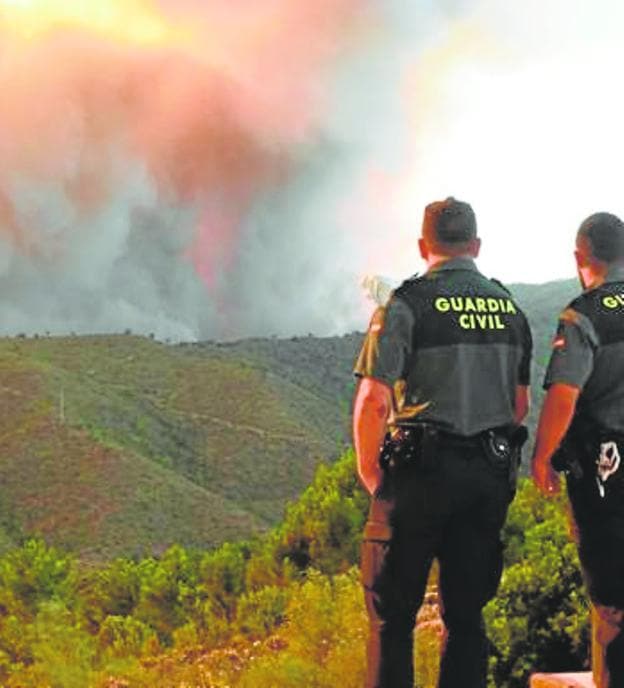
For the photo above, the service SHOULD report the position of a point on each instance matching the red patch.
(377, 321)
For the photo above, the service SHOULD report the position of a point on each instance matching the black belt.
(417, 444)
(448, 438)
(415, 432)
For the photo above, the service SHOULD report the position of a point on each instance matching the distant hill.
(113, 445)
(122, 445)
(324, 364)
(542, 304)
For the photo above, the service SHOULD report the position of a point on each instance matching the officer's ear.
(424, 249)
(581, 257)
(474, 247)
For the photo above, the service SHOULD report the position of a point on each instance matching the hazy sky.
(516, 108)
(223, 169)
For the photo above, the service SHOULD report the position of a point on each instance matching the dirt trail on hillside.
(255, 430)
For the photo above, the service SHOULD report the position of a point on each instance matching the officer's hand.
(371, 478)
(545, 478)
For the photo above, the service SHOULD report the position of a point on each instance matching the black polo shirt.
(453, 345)
(588, 351)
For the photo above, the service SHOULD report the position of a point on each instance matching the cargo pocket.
(374, 553)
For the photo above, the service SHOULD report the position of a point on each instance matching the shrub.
(325, 630)
(123, 636)
(285, 671)
(539, 619)
(323, 528)
(64, 654)
(259, 612)
(110, 591)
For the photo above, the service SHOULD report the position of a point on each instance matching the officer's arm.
(381, 362)
(555, 418)
(371, 409)
(522, 403)
(570, 366)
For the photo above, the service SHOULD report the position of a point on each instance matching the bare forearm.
(370, 414)
(555, 418)
(522, 403)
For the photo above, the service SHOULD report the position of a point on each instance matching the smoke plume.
(222, 169)
(135, 141)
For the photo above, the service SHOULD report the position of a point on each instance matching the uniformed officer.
(444, 368)
(582, 424)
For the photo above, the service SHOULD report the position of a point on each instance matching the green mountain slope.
(122, 445)
(113, 445)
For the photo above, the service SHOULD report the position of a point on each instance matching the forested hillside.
(124, 445)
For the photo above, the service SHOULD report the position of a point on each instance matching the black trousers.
(453, 512)
(600, 529)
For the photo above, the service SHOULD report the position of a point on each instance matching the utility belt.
(417, 446)
(590, 451)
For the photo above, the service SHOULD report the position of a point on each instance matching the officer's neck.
(435, 260)
(591, 277)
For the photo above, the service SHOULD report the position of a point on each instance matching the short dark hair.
(605, 234)
(449, 223)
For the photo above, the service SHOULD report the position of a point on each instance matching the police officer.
(582, 425)
(444, 368)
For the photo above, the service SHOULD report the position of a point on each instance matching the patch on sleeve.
(378, 321)
(367, 360)
(399, 389)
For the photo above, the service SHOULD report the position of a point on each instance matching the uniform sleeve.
(388, 343)
(524, 372)
(572, 358)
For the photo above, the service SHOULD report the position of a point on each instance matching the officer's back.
(444, 367)
(469, 341)
(456, 339)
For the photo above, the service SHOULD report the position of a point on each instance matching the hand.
(371, 478)
(545, 478)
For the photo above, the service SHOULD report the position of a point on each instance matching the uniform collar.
(459, 263)
(615, 274)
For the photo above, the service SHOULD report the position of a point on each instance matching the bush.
(64, 654)
(123, 636)
(259, 612)
(168, 591)
(285, 671)
(31, 574)
(325, 630)
(539, 620)
(111, 591)
(323, 529)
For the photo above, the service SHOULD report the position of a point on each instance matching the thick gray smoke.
(306, 246)
(239, 172)
(122, 271)
(153, 189)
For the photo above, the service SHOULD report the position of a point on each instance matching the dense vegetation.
(284, 609)
(130, 462)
